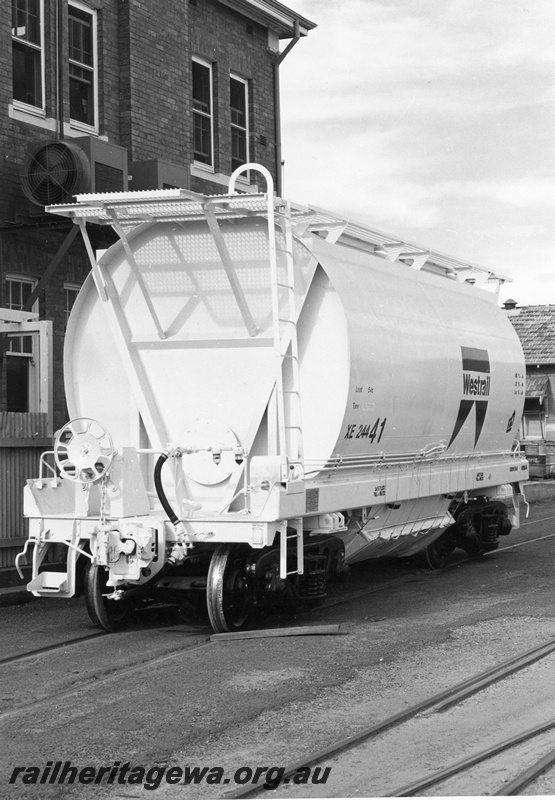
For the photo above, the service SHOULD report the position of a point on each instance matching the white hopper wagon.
(261, 394)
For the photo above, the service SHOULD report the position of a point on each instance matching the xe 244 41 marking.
(373, 432)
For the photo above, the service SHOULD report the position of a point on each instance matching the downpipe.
(277, 105)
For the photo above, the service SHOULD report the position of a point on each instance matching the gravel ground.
(271, 701)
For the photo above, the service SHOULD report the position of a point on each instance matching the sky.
(432, 120)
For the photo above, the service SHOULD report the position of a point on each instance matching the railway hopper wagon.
(261, 394)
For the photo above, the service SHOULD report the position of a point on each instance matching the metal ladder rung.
(283, 278)
(285, 537)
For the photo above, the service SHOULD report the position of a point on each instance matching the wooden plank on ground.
(305, 630)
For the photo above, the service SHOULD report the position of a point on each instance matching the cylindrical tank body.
(392, 360)
(430, 360)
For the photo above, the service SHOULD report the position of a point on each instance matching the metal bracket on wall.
(62, 250)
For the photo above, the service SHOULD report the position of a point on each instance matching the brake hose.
(160, 490)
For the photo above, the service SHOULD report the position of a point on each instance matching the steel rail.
(528, 775)
(49, 648)
(114, 674)
(458, 697)
(454, 769)
(495, 673)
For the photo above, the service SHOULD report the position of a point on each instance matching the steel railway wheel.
(112, 615)
(472, 541)
(229, 593)
(438, 553)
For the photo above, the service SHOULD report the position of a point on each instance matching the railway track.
(345, 597)
(519, 782)
(39, 651)
(440, 702)
(329, 603)
(197, 644)
(94, 681)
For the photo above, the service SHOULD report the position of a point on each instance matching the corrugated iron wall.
(17, 464)
(27, 425)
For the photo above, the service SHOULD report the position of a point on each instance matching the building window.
(27, 52)
(82, 65)
(203, 113)
(22, 390)
(239, 106)
(71, 291)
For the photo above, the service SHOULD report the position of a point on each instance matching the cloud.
(518, 192)
(432, 121)
(437, 56)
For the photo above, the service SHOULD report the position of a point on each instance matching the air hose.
(160, 490)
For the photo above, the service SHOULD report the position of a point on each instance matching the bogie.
(478, 525)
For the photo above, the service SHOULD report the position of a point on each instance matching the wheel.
(472, 541)
(438, 553)
(83, 450)
(112, 615)
(229, 591)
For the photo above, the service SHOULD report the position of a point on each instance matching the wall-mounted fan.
(55, 171)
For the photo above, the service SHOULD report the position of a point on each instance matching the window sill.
(40, 120)
(202, 167)
(31, 116)
(23, 108)
(221, 178)
(80, 128)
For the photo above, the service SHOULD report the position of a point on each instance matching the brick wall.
(145, 51)
(154, 62)
(235, 44)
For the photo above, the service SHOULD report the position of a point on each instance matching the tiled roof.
(536, 387)
(535, 326)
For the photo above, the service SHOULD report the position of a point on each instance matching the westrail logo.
(476, 383)
(475, 386)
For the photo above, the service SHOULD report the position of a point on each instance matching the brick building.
(108, 95)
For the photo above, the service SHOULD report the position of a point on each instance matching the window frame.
(39, 110)
(84, 9)
(69, 287)
(32, 355)
(246, 129)
(206, 165)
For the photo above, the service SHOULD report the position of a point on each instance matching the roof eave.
(273, 15)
